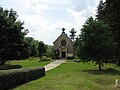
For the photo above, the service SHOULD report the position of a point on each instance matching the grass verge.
(29, 63)
(76, 76)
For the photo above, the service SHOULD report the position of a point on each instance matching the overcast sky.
(46, 18)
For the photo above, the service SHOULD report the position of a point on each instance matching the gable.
(63, 36)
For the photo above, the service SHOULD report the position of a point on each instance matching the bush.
(70, 57)
(33, 58)
(77, 60)
(7, 66)
(12, 78)
(2, 62)
(45, 58)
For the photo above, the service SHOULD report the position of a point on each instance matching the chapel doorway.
(63, 54)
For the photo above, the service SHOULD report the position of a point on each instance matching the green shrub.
(32, 58)
(2, 62)
(49, 58)
(70, 57)
(12, 78)
(45, 58)
(77, 60)
(7, 66)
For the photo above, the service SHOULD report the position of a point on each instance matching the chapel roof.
(63, 33)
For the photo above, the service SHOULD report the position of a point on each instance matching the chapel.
(63, 46)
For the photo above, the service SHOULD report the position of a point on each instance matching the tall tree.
(95, 43)
(72, 35)
(100, 11)
(112, 14)
(12, 35)
(32, 46)
(50, 51)
(41, 48)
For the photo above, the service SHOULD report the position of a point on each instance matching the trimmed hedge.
(6, 67)
(12, 78)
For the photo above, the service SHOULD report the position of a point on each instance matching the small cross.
(63, 29)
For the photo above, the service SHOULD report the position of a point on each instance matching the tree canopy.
(112, 13)
(41, 48)
(95, 42)
(99, 40)
(13, 43)
(72, 36)
(12, 35)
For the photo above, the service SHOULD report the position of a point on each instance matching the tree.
(100, 11)
(41, 49)
(72, 36)
(50, 51)
(32, 46)
(77, 47)
(95, 43)
(112, 15)
(12, 35)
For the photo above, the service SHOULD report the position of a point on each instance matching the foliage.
(77, 60)
(12, 35)
(14, 44)
(32, 46)
(41, 48)
(56, 54)
(2, 62)
(45, 58)
(77, 47)
(12, 78)
(108, 12)
(35, 48)
(100, 11)
(112, 15)
(95, 42)
(7, 66)
(72, 36)
(100, 39)
(50, 51)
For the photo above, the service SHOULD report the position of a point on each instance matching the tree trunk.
(118, 62)
(100, 66)
(118, 56)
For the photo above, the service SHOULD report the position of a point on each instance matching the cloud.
(82, 9)
(35, 20)
(79, 16)
(46, 18)
(50, 32)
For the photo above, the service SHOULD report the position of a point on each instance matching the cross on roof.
(63, 29)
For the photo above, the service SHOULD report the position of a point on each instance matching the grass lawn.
(76, 76)
(28, 63)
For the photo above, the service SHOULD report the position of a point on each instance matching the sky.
(45, 18)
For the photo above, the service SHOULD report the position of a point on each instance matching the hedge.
(12, 78)
(6, 67)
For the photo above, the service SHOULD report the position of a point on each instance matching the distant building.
(63, 46)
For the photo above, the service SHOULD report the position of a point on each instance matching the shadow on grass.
(8, 66)
(109, 71)
(27, 83)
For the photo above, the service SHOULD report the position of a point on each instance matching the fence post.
(116, 83)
